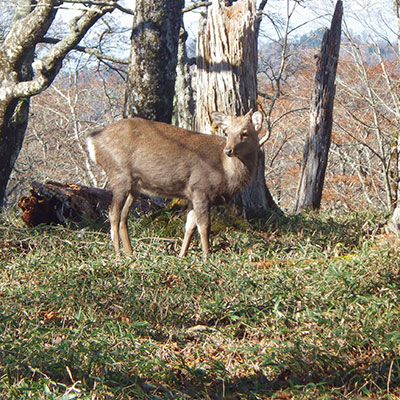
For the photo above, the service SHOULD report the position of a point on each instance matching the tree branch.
(48, 66)
(196, 6)
(26, 32)
(101, 4)
(88, 50)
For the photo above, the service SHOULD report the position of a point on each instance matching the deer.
(141, 156)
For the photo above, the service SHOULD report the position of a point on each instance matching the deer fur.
(157, 159)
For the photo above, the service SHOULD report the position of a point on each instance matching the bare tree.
(369, 105)
(283, 87)
(21, 78)
(77, 102)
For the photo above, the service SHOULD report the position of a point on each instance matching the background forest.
(363, 164)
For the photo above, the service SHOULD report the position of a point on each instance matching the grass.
(302, 307)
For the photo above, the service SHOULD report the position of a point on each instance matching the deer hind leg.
(117, 204)
(190, 227)
(123, 227)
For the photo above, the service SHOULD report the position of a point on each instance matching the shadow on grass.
(317, 228)
(273, 231)
(313, 372)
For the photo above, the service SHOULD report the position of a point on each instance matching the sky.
(375, 16)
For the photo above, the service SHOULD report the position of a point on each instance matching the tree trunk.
(14, 113)
(317, 144)
(183, 100)
(393, 224)
(54, 202)
(152, 64)
(396, 146)
(227, 80)
(226, 62)
(11, 138)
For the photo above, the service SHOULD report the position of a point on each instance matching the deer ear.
(220, 119)
(257, 120)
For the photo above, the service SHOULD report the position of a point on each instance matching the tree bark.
(183, 112)
(19, 81)
(318, 140)
(393, 224)
(226, 62)
(152, 64)
(14, 112)
(227, 79)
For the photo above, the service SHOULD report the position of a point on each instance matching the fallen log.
(55, 202)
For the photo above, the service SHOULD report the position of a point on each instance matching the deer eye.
(244, 135)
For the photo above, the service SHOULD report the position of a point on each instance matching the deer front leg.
(190, 227)
(202, 214)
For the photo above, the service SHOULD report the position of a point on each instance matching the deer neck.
(239, 171)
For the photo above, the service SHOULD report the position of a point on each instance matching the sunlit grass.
(303, 307)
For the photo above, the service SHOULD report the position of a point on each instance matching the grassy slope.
(302, 307)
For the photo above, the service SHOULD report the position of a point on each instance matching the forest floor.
(295, 307)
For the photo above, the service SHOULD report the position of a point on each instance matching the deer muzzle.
(228, 152)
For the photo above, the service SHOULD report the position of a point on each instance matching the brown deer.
(157, 159)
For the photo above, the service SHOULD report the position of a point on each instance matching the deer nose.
(228, 152)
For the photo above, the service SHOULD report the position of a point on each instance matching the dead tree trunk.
(226, 62)
(318, 140)
(53, 202)
(226, 78)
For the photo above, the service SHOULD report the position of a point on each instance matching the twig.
(88, 50)
(389, 377)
